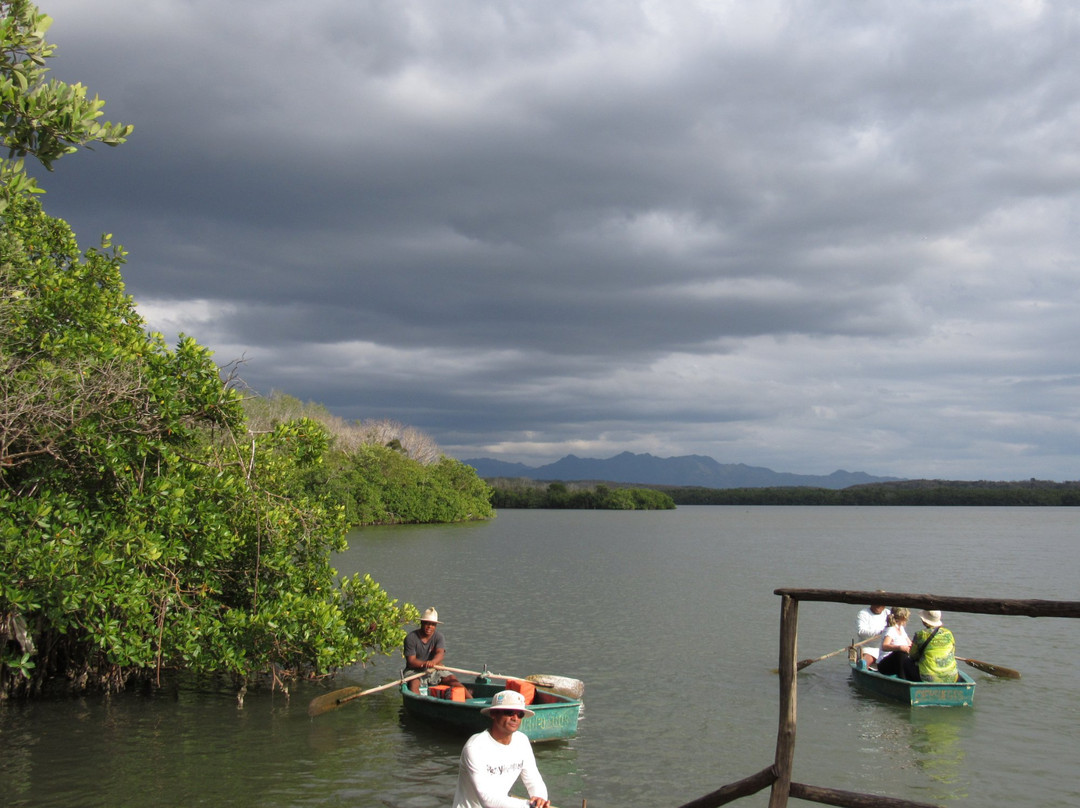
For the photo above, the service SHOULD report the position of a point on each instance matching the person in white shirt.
(871, 622)
(493, 760)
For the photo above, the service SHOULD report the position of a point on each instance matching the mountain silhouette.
(687, 470)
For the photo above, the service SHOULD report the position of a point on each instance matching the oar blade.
(331, 701)
(993, 670)
(563, 685)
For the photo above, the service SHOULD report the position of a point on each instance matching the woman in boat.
(493, 760)
(934, 649)
(896, 646)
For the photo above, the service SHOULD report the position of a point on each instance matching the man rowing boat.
(424, 650)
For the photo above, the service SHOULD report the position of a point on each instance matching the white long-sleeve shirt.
(488, 769)
(870, 625)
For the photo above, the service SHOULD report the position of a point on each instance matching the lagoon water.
(670, 620)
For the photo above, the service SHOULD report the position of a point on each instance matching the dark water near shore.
(670, 620)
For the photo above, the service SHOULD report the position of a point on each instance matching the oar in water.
(994, 670)
(563, 685)
(331, 701)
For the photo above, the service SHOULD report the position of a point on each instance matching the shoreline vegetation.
(378, 472)
(523, 493)
(902, 493)
(1026, 493)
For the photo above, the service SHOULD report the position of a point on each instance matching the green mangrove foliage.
(142, 528)
(46, 119)
(523, 493)
(381, 472)
(381, 485)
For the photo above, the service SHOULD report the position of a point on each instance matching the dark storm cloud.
(808, 236)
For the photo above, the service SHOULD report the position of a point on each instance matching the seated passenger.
(934, 650)
(869, 624)
(896, 646)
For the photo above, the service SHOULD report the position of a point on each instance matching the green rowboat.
(556, 715)
(915, 694)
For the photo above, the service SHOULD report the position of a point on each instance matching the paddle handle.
(387, 686)
(476, 673)
(804, 663)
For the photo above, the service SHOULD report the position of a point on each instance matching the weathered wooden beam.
(1022, 608)
(850, 799)
(735, 791)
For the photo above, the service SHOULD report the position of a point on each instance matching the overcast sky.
(803, 235)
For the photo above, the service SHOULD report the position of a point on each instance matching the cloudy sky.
(803, 235)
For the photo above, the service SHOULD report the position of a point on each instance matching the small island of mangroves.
(525, 493)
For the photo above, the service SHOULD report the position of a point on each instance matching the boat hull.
(916, 694)
(556, 715)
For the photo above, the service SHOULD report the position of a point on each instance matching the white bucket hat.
(429, 616)
(507, 700)
(932, 617)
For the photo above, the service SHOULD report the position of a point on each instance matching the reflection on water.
(939, 751)
(924, 745)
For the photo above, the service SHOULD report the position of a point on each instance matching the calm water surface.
(670, 620)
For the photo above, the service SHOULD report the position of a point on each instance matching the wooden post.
(785, 734)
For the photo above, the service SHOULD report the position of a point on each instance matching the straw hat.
(932, 617)
(429, 616)
(507, 700)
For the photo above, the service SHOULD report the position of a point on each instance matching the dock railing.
(778, 775)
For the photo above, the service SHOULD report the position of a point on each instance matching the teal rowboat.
(915, 694)
(556, 715)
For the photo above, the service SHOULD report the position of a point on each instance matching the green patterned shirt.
(938, 660)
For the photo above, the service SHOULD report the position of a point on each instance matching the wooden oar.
(331, 701)
(993, 670)
(805, 662)
(574, 688)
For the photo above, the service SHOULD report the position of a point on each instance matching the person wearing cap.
(871, 621)
(934, 649)
(493, 760)
(424, 650)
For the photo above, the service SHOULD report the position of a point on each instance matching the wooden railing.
(778, 775)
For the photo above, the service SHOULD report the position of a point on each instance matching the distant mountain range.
(688, 470)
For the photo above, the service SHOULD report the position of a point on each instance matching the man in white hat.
(425, 649)
(493, 760)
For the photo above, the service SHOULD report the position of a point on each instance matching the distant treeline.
(907, 492)
(523, 493)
